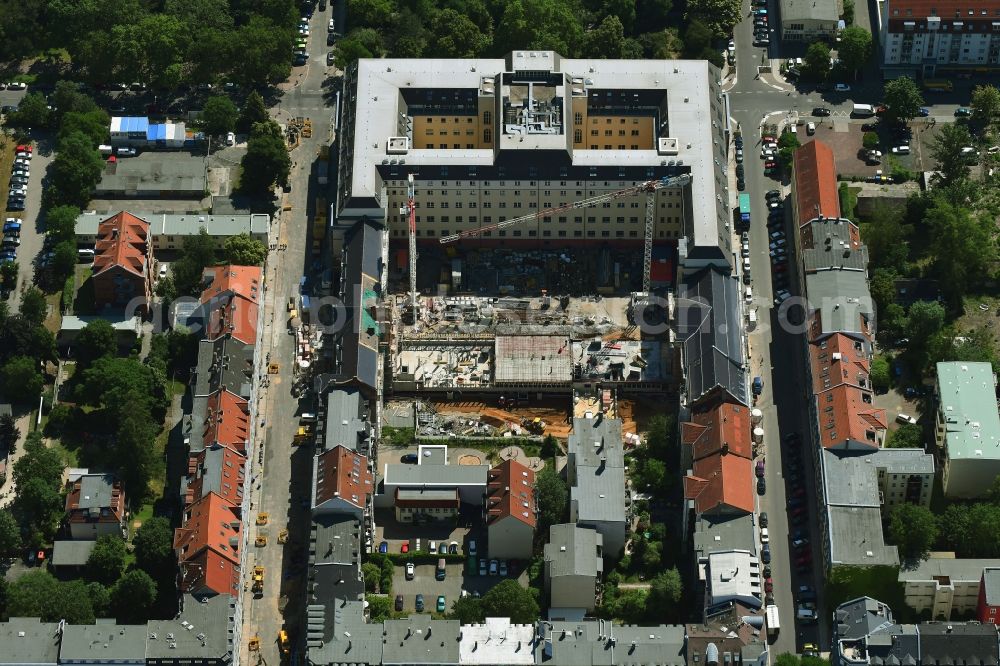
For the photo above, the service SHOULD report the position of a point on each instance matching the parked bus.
(938, 85)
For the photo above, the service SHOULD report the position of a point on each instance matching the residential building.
(855, 486)
(168, 231)
(597, 642)
(595, 471)
(939, 39)
(496, 641)
(341, 483)
(216, 469)
(729, 634)
(720, 478)
(511, 511)
(714, 534)
(201, 633)
(710, 327)
(230, 302)
(810, 20)
(734, 576)
(988, 601)
(865, 634)
(208, 546)
(227, 422)
(27, 641)
(154, 176)
(420, 504)
(347, 421)
(432, 472)
(103, 644)
(95, 506)
(127, 328)
(69, 557)
(489, 140)
(814, 183)
(334, 559)
(122, 275)
(967, 428)
(356, 340)
(944, 585)
(574, 566)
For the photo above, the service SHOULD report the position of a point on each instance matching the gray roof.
(119, 322)
(95, 491)
(843, 299)
(360, 285)
(809, 10)
(334, 539)
(589, 643)
(598, 492)
(346, 419)
(27, 641)
(398, 474)
(709, 324)
(5, 409)
(714, 534)
(416, 494)
(955, 568)
(201, 631)
(225, 363)
(693, 113)
(211, 473)
(991, 585)
(153, 172)
(855, 537)
(71, 553)
(958, 643)
(419, 640)
(328, 626)
(103, 642)
(162, 224)
(895, 645)
(573, 551)
(850, 478)
(832, 247)
(861, 617)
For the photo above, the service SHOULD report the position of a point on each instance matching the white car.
(775, 235)
(17, 85)
(905, 419)
(810, 128)
(732, 46)
(230, 139)
(842, 87)
(901, 150)
(503, 568)
(764, 536)
(331, 26)
(163, 271)
(304, 31)
(409, 571)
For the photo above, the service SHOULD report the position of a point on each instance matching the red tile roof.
(343, 474)
(843, 393)
(725, 427)
(721, 484)
(121, 241)
(232, 298)
(227, 421)
(815, 176)
(974, 16)
(511, 493)
(231, 472)
(207, 545)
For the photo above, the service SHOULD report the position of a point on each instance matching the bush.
(870, 141)
(68, 293)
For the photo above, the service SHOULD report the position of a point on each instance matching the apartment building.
(167, 232)
(490, 140)
(95, 506)
(810, 20)
(598, 497)
(574, 567)
(945, 585)
(930, 38)
(511, 511)
(967, 428)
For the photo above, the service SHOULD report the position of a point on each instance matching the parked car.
(963, 112)
(419, 603)
(382, 547)
(759, 471)
(923, 112)
(409, 571)
(399, 603)
(494, 567)
(761, 486)
(405, 548)
(441, 604)
(482, 567)
(453, 548)
(765, 553)
(442, 548)
(905, 419)
(842, 87)
(409, 459)
(764, 536)
(763, 519)
(503, 568)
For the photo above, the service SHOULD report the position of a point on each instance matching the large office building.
(489, 140)
(921, 38)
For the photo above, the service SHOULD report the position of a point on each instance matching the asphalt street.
(278, 488)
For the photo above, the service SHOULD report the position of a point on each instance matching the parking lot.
(456, 579)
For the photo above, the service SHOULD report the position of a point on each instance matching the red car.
(405, 548)
(804, 558)
(767, 138)
(770, 164)
(779, 268)
(769, 585)
(24, 149)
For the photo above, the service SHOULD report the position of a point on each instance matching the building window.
(487, 117)
(578, 118)
(487, 136)
(577, 136)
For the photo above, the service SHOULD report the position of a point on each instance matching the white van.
(105, 150)
(86, 254)
(863, 111)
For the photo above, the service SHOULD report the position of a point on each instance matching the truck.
(758, 385)
(863, 111)
(773, 621)
(745, 209)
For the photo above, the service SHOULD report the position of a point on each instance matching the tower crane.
(649, 187)
(410, 210)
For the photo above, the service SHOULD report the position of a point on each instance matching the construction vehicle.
(258, 580)
(283, 536)
(410, 210)
(262, 518)
(254, 644)
(535, 426)
(649, 187)
(260, 540)
(283, 641)
(272, 368)
(302, 435)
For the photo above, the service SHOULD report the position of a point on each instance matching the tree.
(348, 51)
(64, 258)
(197, 253)
(9, 433)
(23, 372)
(132, 449)
(8, 274)
(552, 497)
(379, 607)
(266, 162)
(848, 15)
(107, 559)
(75, 171)
(38, 508)
(33, 111)
(219, 116)
(697, 38)
(457, 36)
(985, 105)
(243, 250)
(906, 436)
(253, 112)
(34, 309)
(509, 599)
(38, 594)
(112, 382)
(870, 141)
(607, 40)
(903, 99)
(817, 61)
(719, 15)
(132, 597)
(913, 529)
(665, 593)
(661, 440)
(962, 245)
(60, 223)
(153, 547)
(787, 143)
(855, 48)
(879, 374)
(10, 535)
(100, 598)
(467, 610)
(92, 124)
(971, 530)
(946, 149)
(20, 337)
(38, 462)
(888, 240)
(371, 574)
(538, 25)
(925, 321)
(96, 340)
(650, 475)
